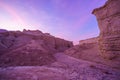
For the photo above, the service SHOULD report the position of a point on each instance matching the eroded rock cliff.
(108, 17)
(105, 48)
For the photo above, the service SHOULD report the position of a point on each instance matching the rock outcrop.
(108, 17)
(86, 50)
(29, 48)
(90, 40)
(104, 49)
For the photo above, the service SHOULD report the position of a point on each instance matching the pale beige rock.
(108, 18)
(90, 40)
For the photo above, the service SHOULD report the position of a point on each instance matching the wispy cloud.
(15, 22)
(12, 11)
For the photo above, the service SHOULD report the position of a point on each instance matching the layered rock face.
(90, 40)
(86, 50)
(108, 18)
(29, 48)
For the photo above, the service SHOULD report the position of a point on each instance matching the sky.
(68, 19)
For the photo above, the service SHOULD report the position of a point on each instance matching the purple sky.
(68, 19)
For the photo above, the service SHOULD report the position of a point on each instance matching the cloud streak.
(16, 21)
(12, 11)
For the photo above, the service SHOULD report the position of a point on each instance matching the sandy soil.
(65, 68)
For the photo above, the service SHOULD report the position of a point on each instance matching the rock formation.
(34, 55)
(29, 47)
(105, 48)
(86, 50)
(90, 40)
(108, 17)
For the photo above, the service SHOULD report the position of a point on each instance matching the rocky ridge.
(29, 48)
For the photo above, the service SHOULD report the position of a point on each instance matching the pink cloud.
(13, 12)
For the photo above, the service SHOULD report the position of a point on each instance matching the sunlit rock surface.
(89, 40)
(108, 17)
